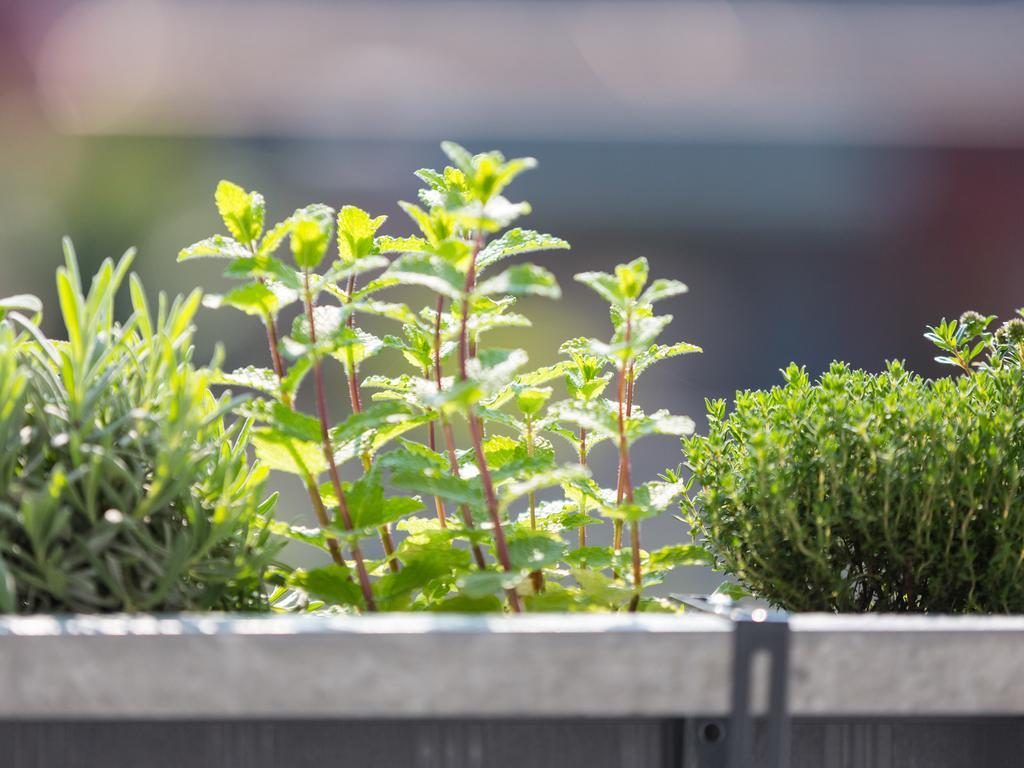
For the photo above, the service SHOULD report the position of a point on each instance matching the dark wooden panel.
(375, 744)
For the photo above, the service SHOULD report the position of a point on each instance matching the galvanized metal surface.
(422, 666)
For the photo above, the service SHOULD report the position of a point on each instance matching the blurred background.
(827, 177)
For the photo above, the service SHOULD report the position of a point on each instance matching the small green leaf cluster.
(969, 344)
(121, 486)
(444, 459)
(870, 492)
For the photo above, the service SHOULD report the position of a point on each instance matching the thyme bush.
(874, 492)
(121, 487)
(467, 530)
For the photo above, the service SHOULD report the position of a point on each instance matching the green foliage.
(121, 487)
(871, 492)
(465, 529)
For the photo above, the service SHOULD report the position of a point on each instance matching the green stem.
(328, 449)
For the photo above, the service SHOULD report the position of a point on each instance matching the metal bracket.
(756, 632)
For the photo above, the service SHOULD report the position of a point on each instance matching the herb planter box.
(419, 690)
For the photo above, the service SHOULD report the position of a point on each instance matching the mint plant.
(121, 486)
(485, 458)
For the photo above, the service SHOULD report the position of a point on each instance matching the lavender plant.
(486, 426)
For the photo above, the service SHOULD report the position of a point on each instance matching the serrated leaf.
(659, 352)
(632, 278)
(241, 211)
(412, 244)
(677, 555)
(534, 550)
(311, 233)
(515, 489)
(370, 420)
(216, 247)
(356, 231)
(658, 423)
(430, 271)
(273, 239)
(599, 588)
(264, 268)
(530, 400)
(286, 454)
(521, 280)
(332, 584)
(494, 368)
(259, 299)
(514, 242)
(662, 289)
(605, 285)
(658, 495)
(261, 379)
(480, 584)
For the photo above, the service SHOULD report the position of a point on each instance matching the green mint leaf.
(286, 454)
(216, 247)
(658, 352)
(481, 584)
(521, 280)
(332, 584)
(530, 400)
(430, 271)
(241, 211)
(260, 379)
(273, 239)
(632, 278)
(534, 550)
(676, 555)
(387, 244)
(260, 299)
(356, 231)
(311, 233)
(514, 242)
(264, 268)
(662, 289)
(606, 286)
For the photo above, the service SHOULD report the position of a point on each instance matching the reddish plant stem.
(625, 489)
(467, 516)
(314, 493)
(357, 407)
(476, 433)
(537, 577)
(500, 545)
(332, 467)
(583, 496)
(442, 516)
(275, 356)
(431, 430)
(625, 398)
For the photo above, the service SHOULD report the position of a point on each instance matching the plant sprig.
(505, 545)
